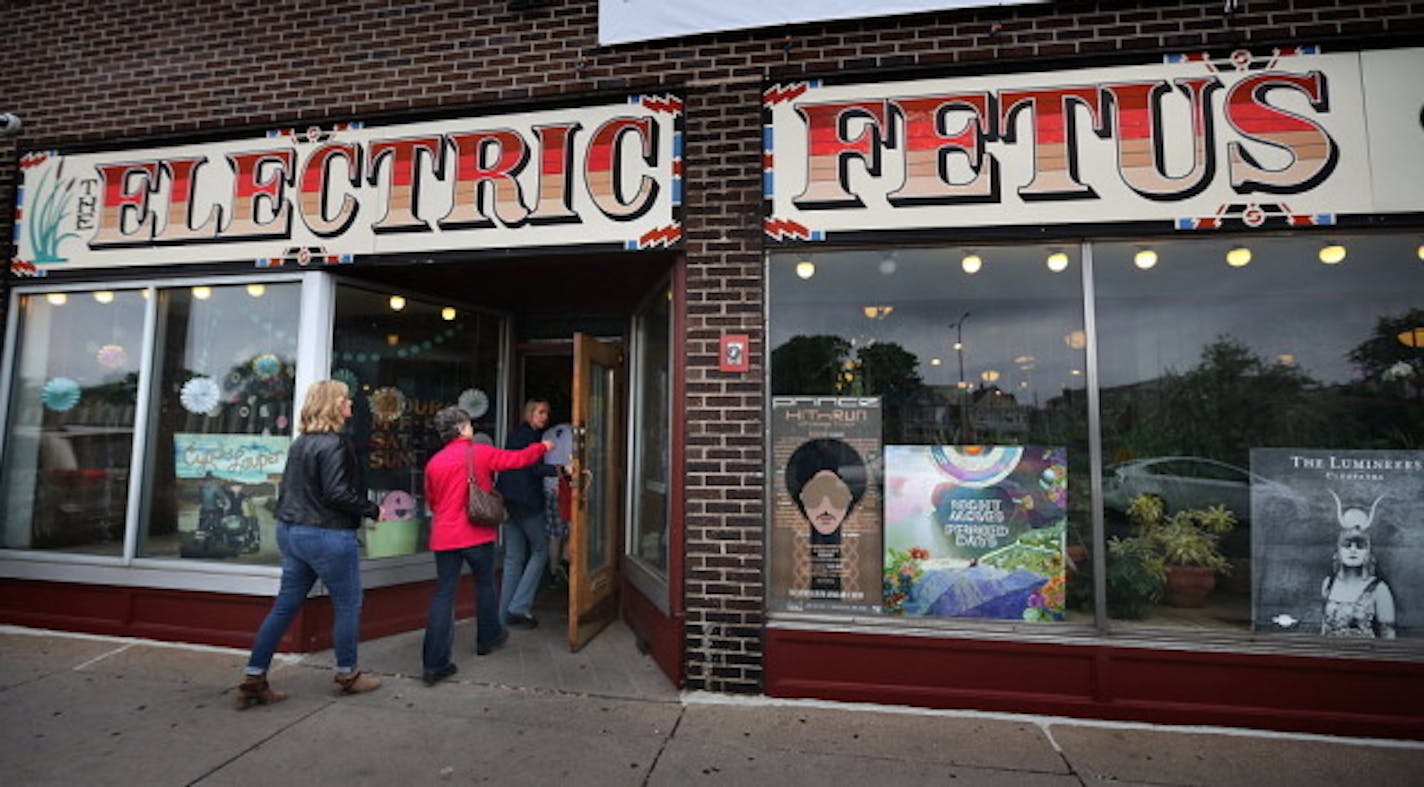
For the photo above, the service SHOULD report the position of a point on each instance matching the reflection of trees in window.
(1230, 401)
(1392, 361)
(825, 366)
(808, 366)
(1233, 400)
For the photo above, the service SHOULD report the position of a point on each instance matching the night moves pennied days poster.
(1304, 503)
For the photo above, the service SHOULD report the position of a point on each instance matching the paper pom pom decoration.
(266, 366)
(112, 356)
(200, 395)
(387, 404)
(349, 377)
(397, 505)
(474, 402)
(60, 394)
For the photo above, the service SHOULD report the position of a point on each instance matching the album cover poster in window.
(975, 531)
(1337, 542)
(824, 489)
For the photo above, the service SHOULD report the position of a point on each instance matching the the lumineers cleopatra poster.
(227, 490)
(975, 531)
(825, 493)
(1337, 542)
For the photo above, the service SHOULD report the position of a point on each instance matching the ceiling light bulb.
(1238, 257)
(806, 269)
(257, 290)
(1420, 252)
(397, 303)
(104, 296)
(57, 298)
(202, 293)
(1145, 259)
(1058, 262)
(1332, 254)
(448, 313)
(971, 263)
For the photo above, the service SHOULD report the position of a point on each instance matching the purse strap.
(470, 465)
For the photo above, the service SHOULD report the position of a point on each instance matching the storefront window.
(70, 438)
(221, 421)
(404, 359)
(1261, 410)
(649, 544)
(929, 440)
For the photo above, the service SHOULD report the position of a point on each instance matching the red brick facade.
(81, 73)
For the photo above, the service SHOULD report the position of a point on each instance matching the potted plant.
(1135, 577)
(1189, 543)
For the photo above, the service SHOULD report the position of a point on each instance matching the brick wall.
(81, 72)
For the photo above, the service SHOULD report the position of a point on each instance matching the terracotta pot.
(1189, 586)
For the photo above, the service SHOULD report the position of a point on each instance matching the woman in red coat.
(455, 541)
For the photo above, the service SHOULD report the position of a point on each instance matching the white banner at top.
(626, 21)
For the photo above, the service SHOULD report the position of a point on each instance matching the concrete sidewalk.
(79, 710)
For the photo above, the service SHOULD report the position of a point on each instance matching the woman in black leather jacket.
(320, 505)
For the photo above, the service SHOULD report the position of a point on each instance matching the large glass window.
(1261, 410)
(929, 432)
(652, 438)
(404, 358)
(1259, 414)
(72, 405)
(221, 421)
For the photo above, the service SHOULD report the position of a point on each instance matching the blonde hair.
(323, 411)
(532, 405)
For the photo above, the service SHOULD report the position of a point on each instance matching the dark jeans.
(309, 553)
(440, 624)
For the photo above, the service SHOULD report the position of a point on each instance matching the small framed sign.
(734, 354)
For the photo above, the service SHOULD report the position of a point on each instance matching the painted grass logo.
(52, 200)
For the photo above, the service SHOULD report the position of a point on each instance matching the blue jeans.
(440, 623)
(526, 552)
(308, 553)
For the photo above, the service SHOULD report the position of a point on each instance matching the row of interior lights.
(203, 293)
(200, 292)
(1237, 257)
(398, 303)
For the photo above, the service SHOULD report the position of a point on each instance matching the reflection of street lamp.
(958, 326)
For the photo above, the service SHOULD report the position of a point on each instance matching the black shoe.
(485, 650)
(432, 678)
(521, 621)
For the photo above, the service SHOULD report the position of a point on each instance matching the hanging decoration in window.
(60, 394)
(199, 395)
(353, 383)
(474, 402)
(266, 366)
(112, 356)
(387, 405)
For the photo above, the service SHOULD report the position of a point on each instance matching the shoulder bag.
(482, 508)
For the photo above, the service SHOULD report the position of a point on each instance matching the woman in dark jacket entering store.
(320, 505)
(526, 547)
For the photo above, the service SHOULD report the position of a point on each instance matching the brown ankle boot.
(254, 691)
(356, 682)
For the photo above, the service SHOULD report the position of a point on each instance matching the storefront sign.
(1287, 139)
(975, 531)
(1337, 542)
(826, 502)
(246, 458)
(624, 21)
(605, 176)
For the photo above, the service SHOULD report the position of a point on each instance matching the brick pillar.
(725, 546)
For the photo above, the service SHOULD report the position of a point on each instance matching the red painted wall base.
(208, 618)
(657, 634)
(1302, 694)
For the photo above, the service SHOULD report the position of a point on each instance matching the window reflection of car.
(1192, 482)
